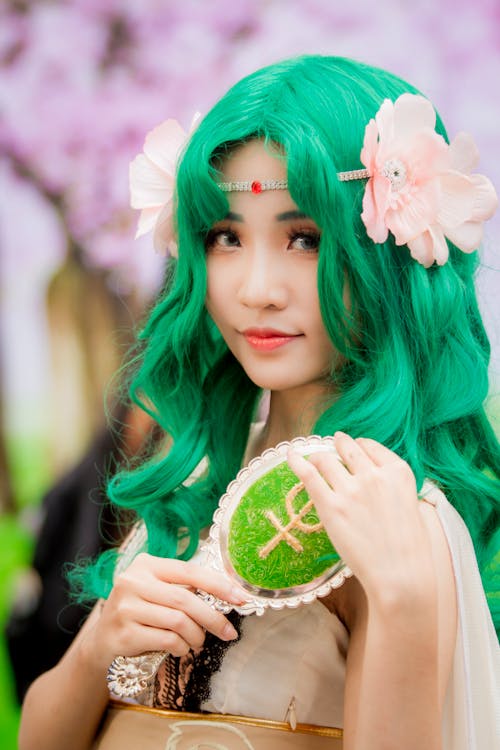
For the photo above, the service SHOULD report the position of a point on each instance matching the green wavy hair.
(413, 338)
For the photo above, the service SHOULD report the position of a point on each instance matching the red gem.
(256, 187)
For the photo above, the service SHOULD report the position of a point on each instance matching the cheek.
(211, 307)
(211, 293)
(216, 298)
(319, 332)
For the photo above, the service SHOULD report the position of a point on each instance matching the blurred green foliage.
(29, 467)
(15, 554)
(30, 476)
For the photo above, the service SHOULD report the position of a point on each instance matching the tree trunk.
(90, 332)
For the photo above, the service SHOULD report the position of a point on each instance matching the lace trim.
(183, 683)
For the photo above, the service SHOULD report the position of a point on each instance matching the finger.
(351, 453)
(173, 598)
(154, 639)
(317, 487)
(191, 574)
(179, 622)
(378, 453)
(331, 469)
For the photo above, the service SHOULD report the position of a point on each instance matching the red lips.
(267, 339)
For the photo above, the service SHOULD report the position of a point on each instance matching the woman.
(348, 295)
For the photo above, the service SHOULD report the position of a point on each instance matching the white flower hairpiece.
(152, 182)
(420, 188)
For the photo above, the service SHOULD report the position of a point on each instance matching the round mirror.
(267, 534)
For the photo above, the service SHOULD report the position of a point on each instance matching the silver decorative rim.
(262, 599)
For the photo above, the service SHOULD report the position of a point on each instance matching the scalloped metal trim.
(131, 676)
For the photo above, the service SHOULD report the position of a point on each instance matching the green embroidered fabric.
(262, 521)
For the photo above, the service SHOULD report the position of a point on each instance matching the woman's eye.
(222, 238)
(305, 241)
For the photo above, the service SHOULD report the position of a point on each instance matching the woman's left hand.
(369, 507)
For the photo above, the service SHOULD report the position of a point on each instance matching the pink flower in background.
(421, 189)
(152, 183)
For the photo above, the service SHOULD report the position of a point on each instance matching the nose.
(263, 282)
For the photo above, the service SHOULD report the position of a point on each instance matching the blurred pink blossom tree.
(83, 81)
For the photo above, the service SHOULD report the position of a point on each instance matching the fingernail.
(229, 633)
(293, 455)
(339, 433)
(238, 596)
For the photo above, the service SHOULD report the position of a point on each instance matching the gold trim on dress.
(283, 726)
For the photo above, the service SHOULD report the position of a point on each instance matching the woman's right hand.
(153, 606)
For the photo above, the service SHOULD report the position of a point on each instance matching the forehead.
(255, 160)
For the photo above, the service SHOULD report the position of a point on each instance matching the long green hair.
(415, 346)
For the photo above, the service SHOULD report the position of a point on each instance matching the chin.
(274, 385)
(275, 382)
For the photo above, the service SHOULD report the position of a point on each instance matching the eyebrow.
(285, 216)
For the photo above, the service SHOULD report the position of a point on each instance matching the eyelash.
(214, 233)
(310, 234)
(293, 235)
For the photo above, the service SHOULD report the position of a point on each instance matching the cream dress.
(297, 657)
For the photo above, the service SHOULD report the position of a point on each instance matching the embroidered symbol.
(295, 522)
(206, 735)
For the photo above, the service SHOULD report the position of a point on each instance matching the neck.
(293, 413)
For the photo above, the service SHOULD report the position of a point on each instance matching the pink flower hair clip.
(420, 188)
(152, 182)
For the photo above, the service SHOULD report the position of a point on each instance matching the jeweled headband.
(419, 188)
(258, 186)
(252, 186)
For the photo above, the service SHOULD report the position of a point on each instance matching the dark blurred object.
(78, 522)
